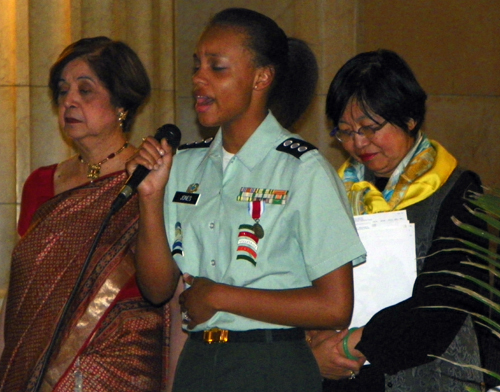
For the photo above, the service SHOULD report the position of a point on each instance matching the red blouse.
(38, 188)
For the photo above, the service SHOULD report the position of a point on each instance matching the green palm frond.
(493, 374)
(488, 268)
(487, 321)
(494, 332)
(485, 301)
(485, 217)
(474, 367)
(488, 210)
(486, 201)
(477, 281)
(476, 231)
(471, 245)
(488, 259)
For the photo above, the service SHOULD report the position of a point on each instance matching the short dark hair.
(382, 83)
(116, 65)
(296, 69)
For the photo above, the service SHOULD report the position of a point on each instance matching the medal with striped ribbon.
(256, 209)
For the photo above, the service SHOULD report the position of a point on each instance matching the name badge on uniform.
(189, 197)
(186, 198)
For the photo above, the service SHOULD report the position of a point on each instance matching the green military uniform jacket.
(276, 180)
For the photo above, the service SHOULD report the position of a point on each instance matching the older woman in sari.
(110, 338)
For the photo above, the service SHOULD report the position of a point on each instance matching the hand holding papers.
(388, 275)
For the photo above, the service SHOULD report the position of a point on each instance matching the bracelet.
(345, 342)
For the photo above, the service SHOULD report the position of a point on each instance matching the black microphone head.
(169, 132)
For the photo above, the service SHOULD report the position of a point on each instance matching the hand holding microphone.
(169, 132)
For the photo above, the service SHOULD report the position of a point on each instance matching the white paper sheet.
(388, 275)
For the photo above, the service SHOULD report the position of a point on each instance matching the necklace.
(94, 169)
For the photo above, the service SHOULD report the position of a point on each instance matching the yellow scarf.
(421, 177)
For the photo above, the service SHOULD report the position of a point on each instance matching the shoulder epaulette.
(295, 147)
(198, 144)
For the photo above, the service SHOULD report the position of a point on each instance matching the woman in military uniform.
(249, 216)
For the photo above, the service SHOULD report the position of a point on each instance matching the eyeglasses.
(366, 131)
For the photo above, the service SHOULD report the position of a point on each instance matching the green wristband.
(345, 343)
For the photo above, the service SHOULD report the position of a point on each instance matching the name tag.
(186, 198)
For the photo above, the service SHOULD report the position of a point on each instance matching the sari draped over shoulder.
(111, 338)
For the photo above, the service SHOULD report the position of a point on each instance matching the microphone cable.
(173, 136)
(69, 302)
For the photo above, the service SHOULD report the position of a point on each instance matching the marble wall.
(452, 46)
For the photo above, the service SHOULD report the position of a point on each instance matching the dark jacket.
(401, 337)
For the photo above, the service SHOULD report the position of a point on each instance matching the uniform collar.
(265, 138)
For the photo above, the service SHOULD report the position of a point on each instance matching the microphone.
(166, 131)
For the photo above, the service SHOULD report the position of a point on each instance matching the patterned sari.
(111, 339)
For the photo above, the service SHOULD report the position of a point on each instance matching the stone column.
(330, 27)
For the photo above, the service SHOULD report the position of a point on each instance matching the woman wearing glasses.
(378, 107)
